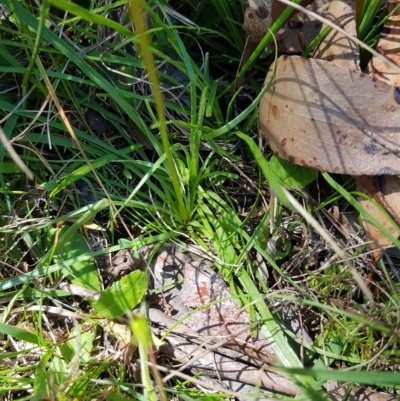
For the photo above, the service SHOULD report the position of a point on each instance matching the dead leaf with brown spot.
(223, 345)
(307, 26)
(336, 47)
(321, 115)
(185, 345)
(259, 15)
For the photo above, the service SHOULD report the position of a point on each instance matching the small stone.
(96, 122)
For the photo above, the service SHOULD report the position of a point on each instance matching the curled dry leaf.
(385, 191)
(389, 46)
(201, 286)
(259, 15)
(321, 115)
(300, 30)
(336, 47)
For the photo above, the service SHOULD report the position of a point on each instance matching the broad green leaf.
(291, 174)
(123, 296)
(335, 346)
(82, 273)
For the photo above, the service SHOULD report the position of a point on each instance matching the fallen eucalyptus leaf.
(259, 16)
(389, 46)
(385, 190)
(336, 47)
(320, 115)
(215, 340)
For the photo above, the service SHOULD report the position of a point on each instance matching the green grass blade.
(20, 334)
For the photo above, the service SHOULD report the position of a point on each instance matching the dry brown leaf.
(384, 190)
(226, 318)
(224, 324)
(278, 7)
(288, 37)
(336, 47)
(389, 46)
(217, 323)
(259, 15)
(328, 117)
(201, 286)
(214, 363)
